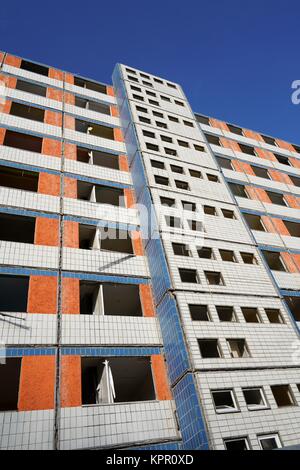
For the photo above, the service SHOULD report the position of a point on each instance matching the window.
(179, 103)
(135, 88)
(94, 157)
(171, 85)
(18, 179)
(254, 398)
(248, 258)
(92, 105)
(209, 348)
(295, 180)
(157, 114)
(228, 214)
(153, 147)
(213, 178)
(23, 141)
(239, 443)
(147, 83)
(238, 348)
(235, 129)
(212, 139)
(182, 185)
(141, 109)
(214, 278)
(226, 313)
(165, 201)
(98, 87)
(143, 75)
(195, 225)
(133, 79)
(13, 294)
(247, 149)
(183, 143)
(35, 68)
(173, 119)
(283, 395)
(169, 151)
(131, 71)
(188, 124)
(294, 306)
(282, 160)
(209, 210)
(177, 169)
(161, 180)
(225, 163)
(199, 148)
(29, 87)
(274, 260)
(202, 119)
(293, 228)
(157, 164)
(254, 222)
(17, 228)
(153, 102)
(188, 206)
(276, 198)
(224, 401)
(165, 98)
(172, 221)
(238, 190)
(205, 253)
(144, 120)
(165, 138)
(251, 315)
(228, 255)
(260, 172)
(137, 97)
(269, 442)
(181, 249)
(269, 140)
(149, 134)
(161, 124)
(195, 173)
(97, 130)
(157, 80)
(199, 312)
(274, 315)
(10, 376)
(188, 275)
(28, 112)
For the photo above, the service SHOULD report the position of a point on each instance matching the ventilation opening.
(16, 228)
(13, 293)
(90, 85)
(92, 105)
(18, 179)
(35, 68)
(129, 377)
(27, 112)
(110, 239)
(23, 141)
(209, 348)
(96, 130)
(274, 260)
(283, 395)
(100, 194)
(110, 299)
(32, 88)
(294, 306)
(10, 376)
(93, 157)
(254, 222)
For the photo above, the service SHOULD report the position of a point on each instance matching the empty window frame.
(169, 151)
(157, 164)
(274, 260)
(19, 179)
(29, 87)
(93, 129)
(225, 163)
(183, 143)
(237, 444)
(212, 139)
(17, 228)
(172, 221)
(269, 442)
(224, 401)
(180, 249)
(260, 172)
(293, 304)
(182, 185)
(235, 129)
(149, 134)
(276, 198)
(188, 275)
(195, 173)
(247, 149)
(202, 119)
(226, 313)
(228, 255)
(144, 120)
(162, 125)
(161, 180)
(189, 206)
(173, 119)
(158, 114)
(269, 140)
(274, 315)
(89, 85)
(283, 395)
(254, 222)
(10, 376)
(248, 258)
(35, 68)
(92, 105)
(141, 109)
(293, 228)
(97, 158)
(23, 141)
(214, 278)
(100, 194)
(177, 169)
(238, 190)
(179, 103)
(205, 252)
(295, 180)
(228, 214)
(27, 112)
(251, 315)
(107, 239)
(210, 210)
(168, 202)
(199, 148)
(165, 98)
(209, 348)
(153, 147)
(13, 293)
(238, 348)
(255, 398)
(153, 102)
(188, 123)
(282, 160)
(212, 178)
(199, 312)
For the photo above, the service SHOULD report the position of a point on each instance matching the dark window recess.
(143, 75)
(213, 178)
(150, 93)
(179, 103)
(260, 172)
(107, 160)
(182, 185)
(149, 134)
(157, 114)
(16, 228)
(297, 148)
(177, 169)
(293, 228)
(13, 293)
(209, 348)
(238, 190)
(35, 68)
(103, 194)
(94, 129)
(199, 148)
(157, 164)
(202, 119)
(209, 210)
(132, 379)
(226, 313)
(195, 173)
(274, 260)
(153, 147)
(135, 88)
(29, 87)
(188, 275)
(212, 139)
(181, 249)
(205, 252)
(137, 97)
(295, 180)
(168, 202)
(153, 102)
(18, 179)
(169, 151)
(165, 98)
(269, 140)
(165, 138)
(27, 112)
(248, 258)
(274, 315)
(92, 105)
(141, 109)
(188, 206)
(225, 163)
(10, 376)
(90, 85)
(236, 444)
(173, 119)
(283, 395)
(228, 214)
(161, 180)
(109, 239)
(171, 85)
(276, 198)
(183, 143)
(133, 79)
(144, 120)
(157, 80)
(293, 304)
(131, 71)
(188, 124)
(235, 129)
(282, 160)
(110, 299)
(199, 312)
(247, 149)
(228, 255)
(251, 315)
(214, 278)
(161, 124)
(254, 222)
(23, 141)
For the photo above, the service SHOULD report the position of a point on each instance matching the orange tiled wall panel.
(51, 147)
(49, 184)
(70, 296)
(280, 177)
(71, 151)
(252, 135)
(284, 145)
(265, 154)
(13, 61)
(46, 231)
(160, 378)
(9, 82)
(37, 382)
(147, 300)
(275, 226)
(258, 194)
(71, 234)
(230, 144)
(114, 111)
(42, 294)
(110, 91)
(2, 135)
(219, 124)
(123, 163)
(55, 74)
(70, 187)
(54, 94)
(70, 389)
(69, 122)
(118, 134)
(53, 118)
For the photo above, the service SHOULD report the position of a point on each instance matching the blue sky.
(236, 60)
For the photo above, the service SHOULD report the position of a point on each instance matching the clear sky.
(236, 60)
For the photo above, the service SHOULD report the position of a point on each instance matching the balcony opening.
(23, 141)
(93, 157)
(18, 179)
(260, 172)
(100, 194)
(225, 163)
(32, 88)
(283, 395)
(295, 180)
(116, 380)
(202, 119)
(16, 228)
(108, 239)
(199, 312)
(209, 348)
(238, 348)
(276, 198)
(13, 293)
(213, 139)
(282, 160)
(35, 68)
(254, 222)
(269, 140)
(293, 304)
(226, 313)
(293, 228)
(10, 377)
(235, 129)
(247, 149)
(274, 260)
(248, 258)
(238, 190)
(89, 85)
(92, 105)
(96, 130)
(228, 214)
(27, 112)
(110, 299)
(251, 315)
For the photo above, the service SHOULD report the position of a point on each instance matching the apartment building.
(149, 270)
